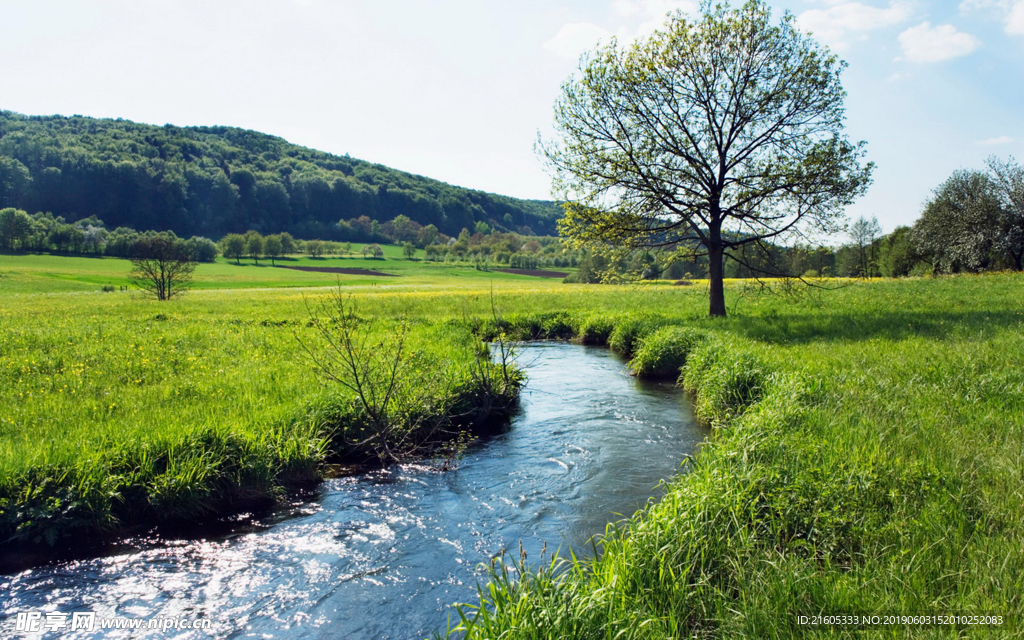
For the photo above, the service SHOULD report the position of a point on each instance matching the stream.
(384, 554)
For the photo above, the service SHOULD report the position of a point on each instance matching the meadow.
(868, 453)
(43, 273)
(867, 460)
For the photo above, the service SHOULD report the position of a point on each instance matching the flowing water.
(385, 553)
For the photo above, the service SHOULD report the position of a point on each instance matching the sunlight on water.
(384, 554)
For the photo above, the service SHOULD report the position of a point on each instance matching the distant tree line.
(973, 222)
(480, 249)
(45, 232)
(211, 181)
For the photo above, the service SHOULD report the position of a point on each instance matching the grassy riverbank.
(115, 410)
(867, 460)
(867, 457)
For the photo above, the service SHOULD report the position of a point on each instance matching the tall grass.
(119, 412)
(867, 456)
(867, 460)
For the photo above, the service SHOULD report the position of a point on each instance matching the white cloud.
(1011, 12)
(835, 25)
(576, 37)
(1015, 19)
(925, 43)
(981, 5)
(996, 141)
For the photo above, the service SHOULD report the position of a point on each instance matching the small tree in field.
(273, 247)
(717, 133)
(315, 248)
(409, 250)
(254, 245)
(233, 246)
(864, 232)
(288, 245)
(161, 266)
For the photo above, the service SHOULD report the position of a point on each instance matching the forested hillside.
(215, 180)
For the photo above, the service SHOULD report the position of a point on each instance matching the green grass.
(868, 459)
(44, 273)
(868, 455)
(115, 408)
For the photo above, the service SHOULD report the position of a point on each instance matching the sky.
(459, 90)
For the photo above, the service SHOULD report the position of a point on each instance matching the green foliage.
(315, 248)
(857, 467)
(897, 256)
(233, 246)
(273, 247)
(254, 245)
(866, 456)
(650, 152)
(630, 330)
(15, 228)
(975, 221)
(959, 227)
(217, 180)
(663, 353)
(725, 380)
(557, 325)
(373, 251)
(593, 329)
(201, 249)
(162, 267)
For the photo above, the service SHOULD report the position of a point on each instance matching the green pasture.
(866, 458)
(44, 273)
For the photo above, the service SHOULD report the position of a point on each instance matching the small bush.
(663, 353)
(726, 381)
(628, 332)
(594, 330)
(558, 326)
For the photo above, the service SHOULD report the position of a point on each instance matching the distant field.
(41, 273)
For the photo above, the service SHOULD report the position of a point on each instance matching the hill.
(215, 180)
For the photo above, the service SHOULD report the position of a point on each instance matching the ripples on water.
(384, 554)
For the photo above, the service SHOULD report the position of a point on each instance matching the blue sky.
(459, 89)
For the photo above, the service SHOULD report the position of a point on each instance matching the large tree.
(717, 133)
(962, 226)
(1008, 177)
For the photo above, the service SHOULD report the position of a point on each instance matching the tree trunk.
(716, 273)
